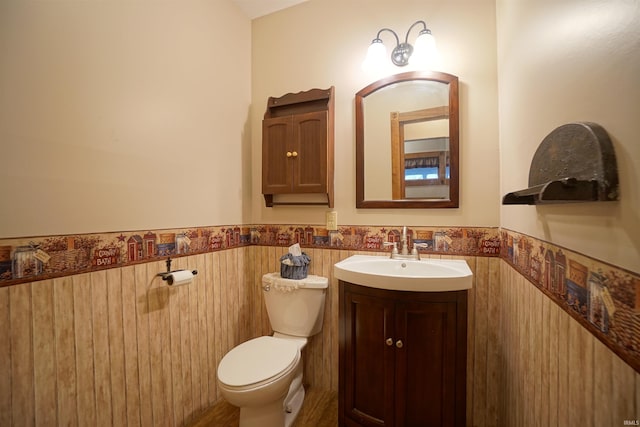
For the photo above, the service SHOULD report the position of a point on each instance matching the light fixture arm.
(377, 39)
(424, 29)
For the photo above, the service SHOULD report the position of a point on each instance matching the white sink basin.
(426, 275)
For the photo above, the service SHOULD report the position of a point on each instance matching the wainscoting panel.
(482, 366)
(119, 347)
(553, 372)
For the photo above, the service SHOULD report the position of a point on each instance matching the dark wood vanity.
(402, 357)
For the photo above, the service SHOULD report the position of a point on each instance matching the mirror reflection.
(420, 154)
(407, 141)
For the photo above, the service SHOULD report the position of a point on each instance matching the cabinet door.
(425, 363)
(310, 144)
(368, 360)
(277, 141)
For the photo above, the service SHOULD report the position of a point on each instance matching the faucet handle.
(394, 244)
(414, 251)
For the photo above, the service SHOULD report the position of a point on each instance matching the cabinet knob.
(389, 342)
(399, 344)
(294, 154)
(289, 154)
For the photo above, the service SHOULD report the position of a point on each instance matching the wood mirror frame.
(452, 202)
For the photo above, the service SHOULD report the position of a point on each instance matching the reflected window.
(425, 168)
(423, 173)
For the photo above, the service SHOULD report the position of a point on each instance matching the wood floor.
(319, 409)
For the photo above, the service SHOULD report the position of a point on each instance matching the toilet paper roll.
(180, 277)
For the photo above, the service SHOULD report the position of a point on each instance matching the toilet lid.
(257, 360)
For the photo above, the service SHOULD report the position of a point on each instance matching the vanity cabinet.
(297, 146)
(402, 357)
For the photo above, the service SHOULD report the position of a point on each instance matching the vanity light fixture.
(403, 53)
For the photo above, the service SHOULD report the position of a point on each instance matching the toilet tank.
(295, 307)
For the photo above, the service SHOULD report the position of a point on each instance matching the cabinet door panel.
(425, 363)
(276, 166)
(310, 165)
(418, 378)
(369, 361)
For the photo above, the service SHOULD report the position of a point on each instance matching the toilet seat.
(258, 361)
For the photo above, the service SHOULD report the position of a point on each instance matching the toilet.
(263, 376)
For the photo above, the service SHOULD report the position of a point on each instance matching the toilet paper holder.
(165, 275)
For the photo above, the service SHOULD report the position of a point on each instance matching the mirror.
(407, 142)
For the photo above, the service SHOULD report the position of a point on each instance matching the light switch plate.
(332, 220)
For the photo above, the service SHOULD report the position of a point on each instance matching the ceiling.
(256, 8)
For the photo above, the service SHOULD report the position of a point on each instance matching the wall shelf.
(574, 163)
(298, 148)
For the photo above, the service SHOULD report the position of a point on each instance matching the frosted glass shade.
(376, 56)
(424, 51)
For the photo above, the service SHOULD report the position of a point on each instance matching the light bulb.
(424, 51)
(376, 56)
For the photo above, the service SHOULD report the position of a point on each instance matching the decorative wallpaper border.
(605, 299)
(39, 258)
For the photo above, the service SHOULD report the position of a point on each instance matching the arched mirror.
(407, 142)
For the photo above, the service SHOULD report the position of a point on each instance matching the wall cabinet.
(297, 146)
(402, 357)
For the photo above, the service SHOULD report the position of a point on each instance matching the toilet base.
(292, 405)
(270, 415)
(282, 412)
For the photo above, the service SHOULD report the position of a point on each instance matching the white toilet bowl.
(263, 376)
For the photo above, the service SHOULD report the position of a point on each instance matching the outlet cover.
(332, 220)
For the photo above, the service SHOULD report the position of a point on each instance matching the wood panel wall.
(553, 372)
(118, 347)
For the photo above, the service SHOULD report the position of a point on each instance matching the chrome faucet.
(404, 250)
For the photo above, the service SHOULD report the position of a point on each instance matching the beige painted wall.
(321, 43)
(108, 110)
(123, 115)
(563, 61)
